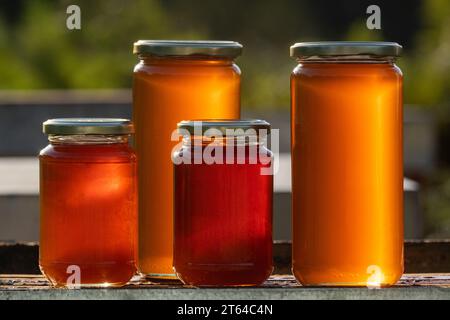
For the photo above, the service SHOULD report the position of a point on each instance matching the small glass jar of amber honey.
(88, 203)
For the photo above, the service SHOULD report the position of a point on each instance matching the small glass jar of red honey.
(88, 203)
(223, 203)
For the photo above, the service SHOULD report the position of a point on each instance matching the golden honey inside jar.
(88, 203)
(347, 172)
(174, 81)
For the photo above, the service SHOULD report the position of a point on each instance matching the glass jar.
(347, 171)
(88, 200)
(223, 203)
(174, 80)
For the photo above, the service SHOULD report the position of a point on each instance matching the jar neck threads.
(253, 140)
(91, 139)
(186, 60)
(347, 59)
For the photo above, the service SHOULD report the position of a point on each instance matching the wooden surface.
(38, 282)
(411, 286)
(426, 256)
(427, 265)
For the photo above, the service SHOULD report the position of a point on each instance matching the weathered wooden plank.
(19, 258)
(31, 282)
(428, 256)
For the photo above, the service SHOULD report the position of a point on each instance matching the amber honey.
(347, 170)
(186, 80)
(88, 204)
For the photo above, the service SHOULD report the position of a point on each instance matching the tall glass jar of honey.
(88, 202)
(347, 171)
(174, 80)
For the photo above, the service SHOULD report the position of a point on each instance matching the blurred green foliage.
(40, 52)
(37, 50)
(427, 80)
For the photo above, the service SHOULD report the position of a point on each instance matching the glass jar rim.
(88, 126)
(303, 50)
(224, 126)
(163, 48)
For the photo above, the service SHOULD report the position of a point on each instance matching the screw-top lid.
(345, 48)
(225, 49)
(81, 126)
(193, 126)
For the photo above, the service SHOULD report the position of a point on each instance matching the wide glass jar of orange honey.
(174, 80)
(347, 172)
(88, 203)
(223, 203)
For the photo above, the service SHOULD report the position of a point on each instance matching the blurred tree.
(40, 52)
(427, 81)
(37, 50)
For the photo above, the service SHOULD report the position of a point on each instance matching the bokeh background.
(48, 71)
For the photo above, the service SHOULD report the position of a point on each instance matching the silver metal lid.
(225, 49)
(345, 48)
(192, 126)
(82, 126)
